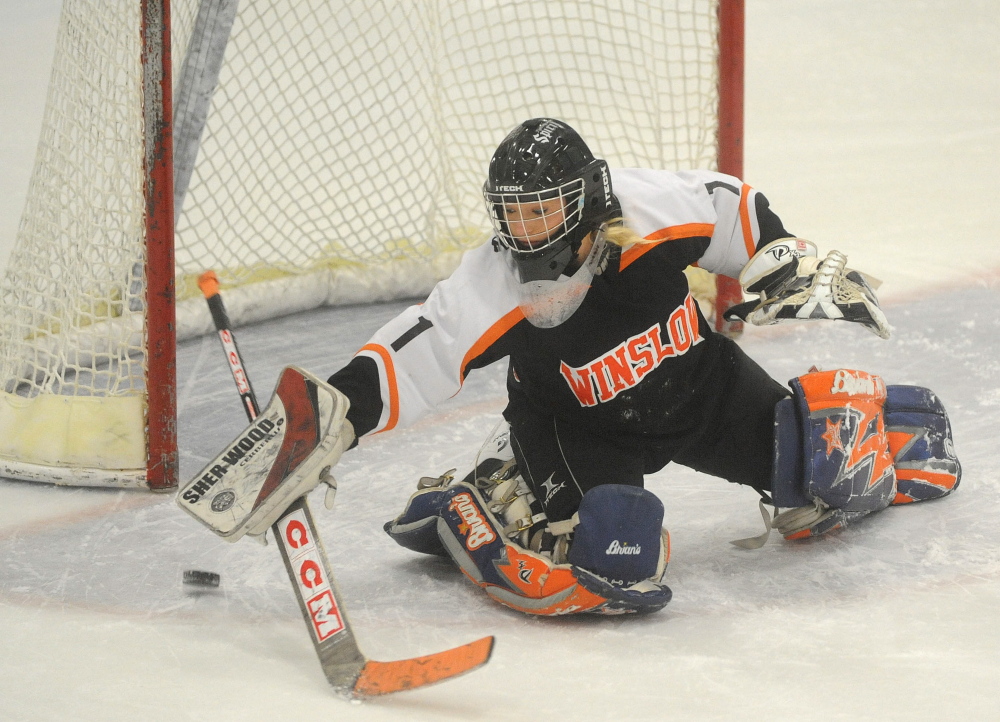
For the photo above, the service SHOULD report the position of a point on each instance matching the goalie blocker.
(846, 446)
(283, 455)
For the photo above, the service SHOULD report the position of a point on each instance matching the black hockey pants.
(734, 440)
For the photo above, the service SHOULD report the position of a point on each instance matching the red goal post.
(162, 462)
(324, 153)
(732, 45)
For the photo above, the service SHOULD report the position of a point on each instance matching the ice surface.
(860, 624)
(873, 127)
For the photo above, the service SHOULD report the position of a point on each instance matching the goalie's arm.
(790, 281)
(712, 219)
(744, 222)
(421, 358)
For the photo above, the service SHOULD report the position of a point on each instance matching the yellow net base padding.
(287, 294)
(73, 440)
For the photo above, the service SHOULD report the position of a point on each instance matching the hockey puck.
(198, 578)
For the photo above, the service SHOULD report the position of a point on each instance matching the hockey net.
(339, 159)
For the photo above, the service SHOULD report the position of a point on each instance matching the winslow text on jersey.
(624, 366)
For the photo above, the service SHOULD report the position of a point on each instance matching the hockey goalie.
(613, 373)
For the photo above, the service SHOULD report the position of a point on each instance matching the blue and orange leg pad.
(921, 444)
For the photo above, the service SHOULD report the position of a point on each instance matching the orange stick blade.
(386, 677)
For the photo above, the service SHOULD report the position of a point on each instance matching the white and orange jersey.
(633, 351)
(424, 353)
(662, 205)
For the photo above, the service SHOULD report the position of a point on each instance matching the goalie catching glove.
(792, 283)
(284, 453)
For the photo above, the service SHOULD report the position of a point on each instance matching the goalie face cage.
(340, 159)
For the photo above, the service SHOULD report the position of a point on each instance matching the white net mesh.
(72, 270)
(359, 132)
(343, 157)
(71, 328)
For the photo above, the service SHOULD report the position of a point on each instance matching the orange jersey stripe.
(745, 221)
(390, 374)
(688, 230)
(498, 329)
(634, 252)
(671, 233)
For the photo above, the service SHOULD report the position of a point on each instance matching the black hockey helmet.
(540, 160)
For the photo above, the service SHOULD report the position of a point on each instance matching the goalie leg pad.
(494, 475)
(832, 452)
(494, 529)
(416, 527)
(618, 536)
(620, 549)
(510, 574)
(921, 444)
(532, 582)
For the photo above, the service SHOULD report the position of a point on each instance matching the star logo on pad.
(832, 437)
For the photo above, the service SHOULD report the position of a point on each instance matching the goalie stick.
(346, 667)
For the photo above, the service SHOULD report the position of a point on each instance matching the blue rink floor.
(894, 618)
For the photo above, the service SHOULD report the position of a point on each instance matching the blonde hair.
(621, 235)
(701, 282)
